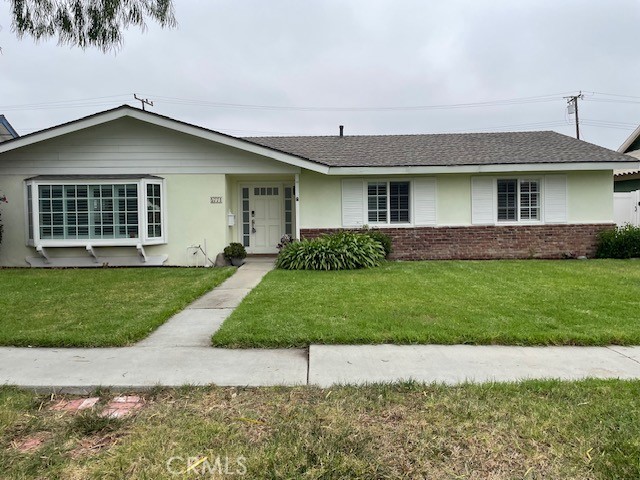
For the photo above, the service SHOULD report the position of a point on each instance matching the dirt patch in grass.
(31, 443)
(530, 430)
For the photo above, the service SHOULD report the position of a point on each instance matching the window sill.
(95, 243)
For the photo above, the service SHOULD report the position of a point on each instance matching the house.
(626, 184)
(6, 130)
(129, 187)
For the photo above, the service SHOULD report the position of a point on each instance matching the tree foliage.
(87, 23)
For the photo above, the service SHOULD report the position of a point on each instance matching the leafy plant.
(379, 236)
(235, 250)
(285, 240)
(621, 242)
(338, 251)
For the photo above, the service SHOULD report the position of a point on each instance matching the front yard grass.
(531, 430)
(95, 307)
(528, 302)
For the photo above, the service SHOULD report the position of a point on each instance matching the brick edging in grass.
(488, 242)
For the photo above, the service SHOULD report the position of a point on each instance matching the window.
(154, 211)
(288, 209)
(63, 213)
(246, 225)
(388, 202)
(518, 200)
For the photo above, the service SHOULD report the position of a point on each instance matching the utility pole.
(143, 101)
(572, 106)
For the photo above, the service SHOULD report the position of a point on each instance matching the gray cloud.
(340, 54)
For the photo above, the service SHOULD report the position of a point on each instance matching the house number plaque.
(215, 199)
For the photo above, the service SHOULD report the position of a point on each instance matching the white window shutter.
(352, 203)
(424, 201)
(555, 199)
(483, 204)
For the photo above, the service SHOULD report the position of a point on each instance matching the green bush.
(382, 238)
(621, 242)
(235, 250)
(338, 251)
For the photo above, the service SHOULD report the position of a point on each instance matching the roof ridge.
(404, 134)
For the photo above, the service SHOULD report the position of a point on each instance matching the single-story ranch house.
(129, 187)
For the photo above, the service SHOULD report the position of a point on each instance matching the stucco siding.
(191, 219)
(320, 200)
(590, 197)
(453, 200)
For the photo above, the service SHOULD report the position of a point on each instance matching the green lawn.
(531, 430)
(95, 307)
(529, 302)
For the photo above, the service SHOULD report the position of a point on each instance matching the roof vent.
(342, 130)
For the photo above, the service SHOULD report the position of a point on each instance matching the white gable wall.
(126, 146)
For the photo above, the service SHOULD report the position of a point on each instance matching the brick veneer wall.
(488, 242)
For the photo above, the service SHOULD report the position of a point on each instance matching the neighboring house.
(627, 184)
(6, 130)
(129, 187)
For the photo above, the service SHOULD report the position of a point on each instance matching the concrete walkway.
(194, 326)
(179, 353)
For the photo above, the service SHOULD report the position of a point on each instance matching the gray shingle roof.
(442, 149)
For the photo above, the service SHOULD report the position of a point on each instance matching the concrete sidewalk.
(452, 364)
(132, 368)
(179, 353)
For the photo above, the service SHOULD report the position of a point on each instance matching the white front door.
(265, 213)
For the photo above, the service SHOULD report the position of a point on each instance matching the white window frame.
(143, 237)
(388, 181)
(519, 180)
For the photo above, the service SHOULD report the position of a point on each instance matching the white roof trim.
(516, 167)
(627, 143)
(161, 121)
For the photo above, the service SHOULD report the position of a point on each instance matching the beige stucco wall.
(589, 198)
(320, 200)
(191, 219)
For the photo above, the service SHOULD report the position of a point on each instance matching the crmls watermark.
(207, 466)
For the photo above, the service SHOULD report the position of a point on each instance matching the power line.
(491, 103)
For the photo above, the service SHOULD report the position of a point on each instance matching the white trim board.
(489, 169)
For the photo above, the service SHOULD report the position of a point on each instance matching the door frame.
(239, 224)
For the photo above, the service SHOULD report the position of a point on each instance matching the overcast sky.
(363, 64)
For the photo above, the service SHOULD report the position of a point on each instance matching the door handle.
(253, 226)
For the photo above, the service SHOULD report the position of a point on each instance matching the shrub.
(621, 242)
(382, 238)
(235, 250)
(338, 251)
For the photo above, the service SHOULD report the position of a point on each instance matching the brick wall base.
(488, 242)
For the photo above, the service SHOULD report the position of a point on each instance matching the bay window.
(74, 211)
